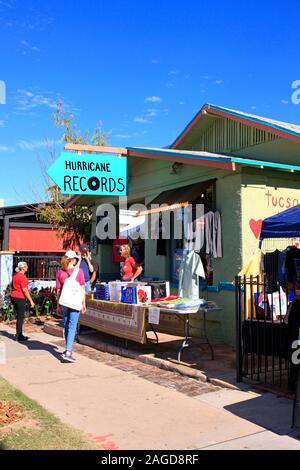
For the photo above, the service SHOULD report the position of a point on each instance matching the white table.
(184, 315)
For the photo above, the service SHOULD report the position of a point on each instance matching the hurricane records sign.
(88, 173)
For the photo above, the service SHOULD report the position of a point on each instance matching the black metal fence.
(40, 267)
(263, 333)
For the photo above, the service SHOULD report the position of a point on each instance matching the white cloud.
(5, 148)
(253, 107)
(284, 102)
(152, 112)
(140, 119)
(27, 100)
(122, 136)
(6, 3)
(181, 102)
(219, 82)
(26, 46)
(1, 123)
(206, 77)
(174, 72)
(153, 99)
(32, 145)
(155, 61)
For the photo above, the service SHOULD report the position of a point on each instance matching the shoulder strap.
(74, 273)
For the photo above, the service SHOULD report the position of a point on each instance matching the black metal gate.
(263, 341)
(40, 267)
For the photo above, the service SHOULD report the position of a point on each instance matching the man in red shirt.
(19, 294)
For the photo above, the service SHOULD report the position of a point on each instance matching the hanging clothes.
(270, 266)
(205, 234)
(194, 235)
(274, 267)
(208, 221)
(217, 235)
(191, 268)
(115, 249)
(253, 267)
(292, 253)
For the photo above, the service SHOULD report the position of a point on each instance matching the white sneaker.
(67, 356)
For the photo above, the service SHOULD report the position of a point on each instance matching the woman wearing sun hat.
(70, 314)
(19, 294)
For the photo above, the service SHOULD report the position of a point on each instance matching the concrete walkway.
(124, 411)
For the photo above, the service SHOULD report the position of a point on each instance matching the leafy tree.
(73, 223)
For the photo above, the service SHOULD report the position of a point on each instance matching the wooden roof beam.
(96, 149)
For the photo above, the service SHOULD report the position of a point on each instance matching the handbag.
(72, 293)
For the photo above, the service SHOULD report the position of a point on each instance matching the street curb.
(87, 340)
(153, 361)
(53, 329)
(221, 383)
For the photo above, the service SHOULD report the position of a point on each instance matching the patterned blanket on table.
(117, 319)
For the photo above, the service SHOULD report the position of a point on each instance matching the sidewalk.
(196, 361)
(125, 411)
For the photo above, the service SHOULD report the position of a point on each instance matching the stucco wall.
(221, 325)
(264, 193)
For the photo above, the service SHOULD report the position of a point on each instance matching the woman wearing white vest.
(70, 287)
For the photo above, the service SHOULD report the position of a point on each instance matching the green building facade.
(252, 164)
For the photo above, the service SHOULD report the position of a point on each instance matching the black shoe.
(21, 338)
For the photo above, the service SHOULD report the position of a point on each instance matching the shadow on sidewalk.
(196, 357)
(269, 411)
(34, 345)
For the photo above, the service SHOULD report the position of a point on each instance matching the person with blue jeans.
(70, 315)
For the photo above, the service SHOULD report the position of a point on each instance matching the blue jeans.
(88, 287)
(71, 318)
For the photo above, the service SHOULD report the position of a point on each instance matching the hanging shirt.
(209, 244)
(217, 236)
(119, 241)
(292, 253)
(270, 266)
(190, 269)
(253, 266)
(194, 235)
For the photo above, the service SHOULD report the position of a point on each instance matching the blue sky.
(142, 68)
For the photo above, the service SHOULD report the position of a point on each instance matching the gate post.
(238, 320)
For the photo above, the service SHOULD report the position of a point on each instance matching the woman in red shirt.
(19, 294)
(130, 270)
